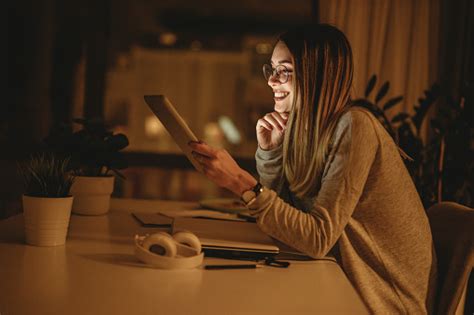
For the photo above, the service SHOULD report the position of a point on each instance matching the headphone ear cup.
(171, 253)
(161, 244)
(188, 239)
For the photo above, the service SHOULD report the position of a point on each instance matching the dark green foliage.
(392, 102)
(46, 175)
(377, 111)
(370, 85)
(94, 150)
(382, 92)
(442, 169)
(454, 132)
(400, 117)
(424, 105)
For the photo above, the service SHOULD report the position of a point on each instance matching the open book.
(174, 123)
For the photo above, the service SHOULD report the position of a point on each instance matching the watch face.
(248, 195)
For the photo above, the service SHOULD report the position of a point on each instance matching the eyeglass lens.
(280, 72)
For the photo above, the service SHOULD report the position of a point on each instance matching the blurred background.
(69, 59)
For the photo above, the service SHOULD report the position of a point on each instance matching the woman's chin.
(281, 108)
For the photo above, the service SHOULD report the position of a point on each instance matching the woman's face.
(282, 92)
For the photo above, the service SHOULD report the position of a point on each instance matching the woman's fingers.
(262, 123)
(281, 118)
(200, 157)
(205, 161)
(276, 120)
(270, 118)
(203, 149)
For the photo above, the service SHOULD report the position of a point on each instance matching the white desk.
(96, 273)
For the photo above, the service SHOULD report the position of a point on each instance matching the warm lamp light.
(230, 130)
(168, 39)
(153, 127)
(263, 48)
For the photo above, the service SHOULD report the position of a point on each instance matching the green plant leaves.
(382, 92)
(452, 126)
(94, 149)
(400, 117)
(370, 85)
(46, 175)
(117, 142)
(368, 105)
(424, 105)
(392, 102)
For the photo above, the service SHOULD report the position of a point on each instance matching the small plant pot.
(46, 220)
(92, 194)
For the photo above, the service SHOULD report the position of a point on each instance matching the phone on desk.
(147, 219)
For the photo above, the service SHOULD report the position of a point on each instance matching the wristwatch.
(249, 196)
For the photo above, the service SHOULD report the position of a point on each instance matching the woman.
(332, 178)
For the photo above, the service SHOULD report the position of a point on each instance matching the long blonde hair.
(323, 70)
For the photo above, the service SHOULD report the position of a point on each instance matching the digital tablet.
(174, 123)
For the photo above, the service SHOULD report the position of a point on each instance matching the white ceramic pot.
(46, 220)
(92, 194)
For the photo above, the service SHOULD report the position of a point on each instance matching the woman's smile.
(282, 89)
(279, 96)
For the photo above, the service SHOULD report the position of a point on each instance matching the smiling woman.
(206, 57)
(280, 77)
(331, 177)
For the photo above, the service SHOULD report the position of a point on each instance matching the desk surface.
(97, 273)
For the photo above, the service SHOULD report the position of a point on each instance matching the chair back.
(452, 227)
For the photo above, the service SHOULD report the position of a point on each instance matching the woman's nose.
(273, 81)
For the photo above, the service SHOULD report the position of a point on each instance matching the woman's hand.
(271, 129)
(221, 168)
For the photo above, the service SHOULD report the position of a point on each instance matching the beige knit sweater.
(367, 211)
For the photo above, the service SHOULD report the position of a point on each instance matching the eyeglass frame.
(275, 73)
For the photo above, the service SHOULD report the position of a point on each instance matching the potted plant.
(47, 201)
(442, 166)
(95, 158)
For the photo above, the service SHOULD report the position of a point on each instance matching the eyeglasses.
(280, 72)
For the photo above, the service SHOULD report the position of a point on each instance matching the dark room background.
(68, 59)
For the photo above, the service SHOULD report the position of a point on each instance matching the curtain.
(394, 39)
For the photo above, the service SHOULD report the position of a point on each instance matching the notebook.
(229, 239)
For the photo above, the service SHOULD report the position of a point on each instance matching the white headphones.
(161, 250)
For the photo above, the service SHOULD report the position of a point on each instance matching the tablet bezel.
(176, 126)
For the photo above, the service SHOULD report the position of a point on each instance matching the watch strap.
(256, 190)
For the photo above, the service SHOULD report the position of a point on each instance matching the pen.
(242, 266)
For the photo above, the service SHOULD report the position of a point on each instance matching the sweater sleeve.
(314, 233)
(270, 167)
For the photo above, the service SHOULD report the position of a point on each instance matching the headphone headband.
(180, 251)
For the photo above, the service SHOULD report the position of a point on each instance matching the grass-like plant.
(46, 175)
